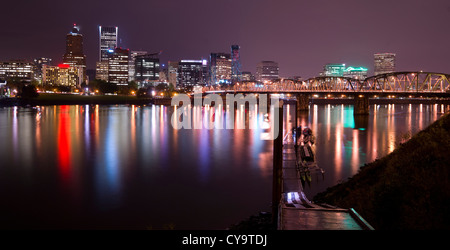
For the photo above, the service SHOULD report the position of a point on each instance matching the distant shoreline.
(69, 99)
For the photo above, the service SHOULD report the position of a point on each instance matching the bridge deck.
(298, 213)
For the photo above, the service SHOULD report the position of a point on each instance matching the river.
(126, 167)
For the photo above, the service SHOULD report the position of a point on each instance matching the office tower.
(190, 73)
(205, 72)
(63, 74)
(147, 69)
(247, 76)
(220, 68)
(17, 70)
(172, 71)
(384, 63)
(133, 55)
(108, 37)
(267, 71)
(359, 73)
(333, 69)
(74, 55)
(236, 74)
(101, 71)
(118, 63)
(38, 64)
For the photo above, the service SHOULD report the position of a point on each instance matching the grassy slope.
(408, 189)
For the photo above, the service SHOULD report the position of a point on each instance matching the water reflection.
(345, 142)
(102, 163)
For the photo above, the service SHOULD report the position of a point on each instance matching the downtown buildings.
(384, 63)
(17, 70)
(74, 56)
(339, 70)
(62, 75)
(120, 66)
(220, 68)
(267, 71)
(70, 73)
(191, 73)
(108, 37)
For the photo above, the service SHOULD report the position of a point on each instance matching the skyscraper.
(146, 69)
(107, 40)
(133, 56)
(384, 63)
(39, 63)
(332, 69)
(74, 56)
(101, 71)
(267, 71)
(190, 73)
(236, 73)
(118, 66)
(220, 68)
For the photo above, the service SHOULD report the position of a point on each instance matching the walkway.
(298, 213)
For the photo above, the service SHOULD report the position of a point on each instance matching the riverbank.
(407, 189)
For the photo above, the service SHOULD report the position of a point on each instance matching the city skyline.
(299, 36)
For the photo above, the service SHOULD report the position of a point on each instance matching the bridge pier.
(302, 102)
(361, 106)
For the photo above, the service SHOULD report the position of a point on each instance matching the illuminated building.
(118, 63)
(17, 70)
(101, 71)
(108, 37)
(333, 70)
(220, 68)
(131, 71)
(190, 73)
(146, 69)
(63, 74)
(267, 71)
(74, 55)
(236, 74)
(172, 72)
(359, 73)
(384, 63)
(247, 76)
(38, 64)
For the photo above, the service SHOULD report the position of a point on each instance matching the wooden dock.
(297, 212)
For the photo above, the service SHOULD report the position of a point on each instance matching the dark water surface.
(126, 167)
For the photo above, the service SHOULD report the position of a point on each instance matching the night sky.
(301, 36)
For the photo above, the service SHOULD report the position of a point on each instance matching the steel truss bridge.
(423, 83)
